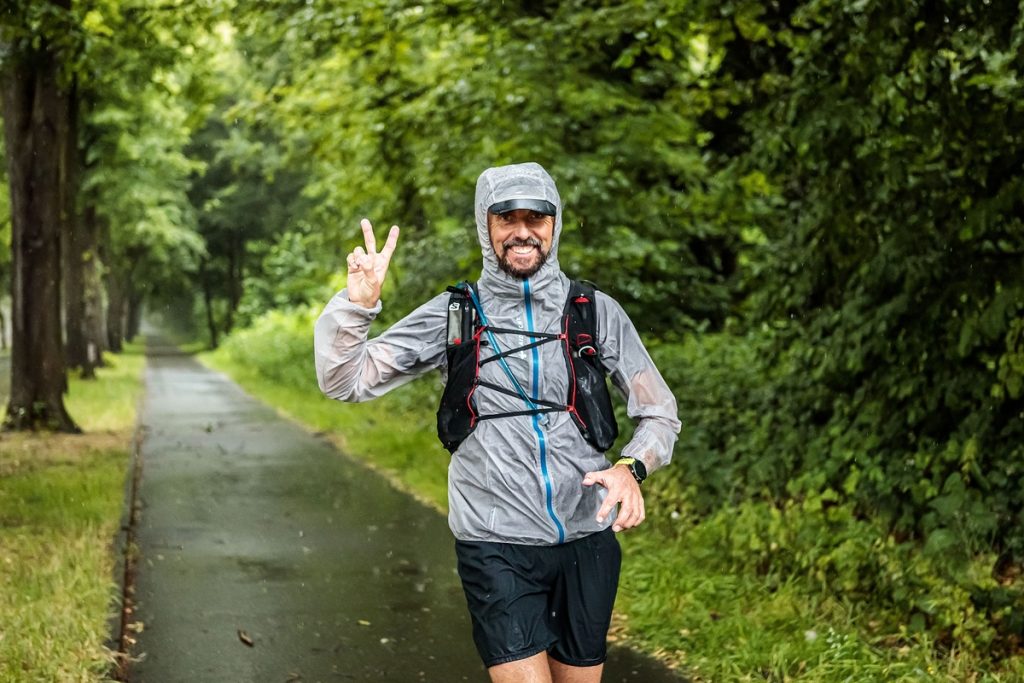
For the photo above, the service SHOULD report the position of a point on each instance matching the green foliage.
(795, 489)
(141, 97)
(283, 343)
(399, 132)
(249, 206)
(889, 290)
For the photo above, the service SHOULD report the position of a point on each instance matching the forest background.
(812, 210)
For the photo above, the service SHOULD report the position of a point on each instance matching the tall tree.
(35, 107)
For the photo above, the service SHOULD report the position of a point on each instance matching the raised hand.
(367, 268)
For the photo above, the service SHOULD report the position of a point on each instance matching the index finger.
(368, 238)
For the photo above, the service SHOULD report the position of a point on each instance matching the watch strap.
(631, 464)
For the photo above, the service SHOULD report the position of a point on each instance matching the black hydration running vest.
(588, 400)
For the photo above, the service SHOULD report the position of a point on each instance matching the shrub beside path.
(265, 556)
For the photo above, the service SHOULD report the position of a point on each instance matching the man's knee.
(566, 673)
(534, 669)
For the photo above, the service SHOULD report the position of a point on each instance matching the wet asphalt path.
(250, 524)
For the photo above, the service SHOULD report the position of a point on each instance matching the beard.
(521, 273)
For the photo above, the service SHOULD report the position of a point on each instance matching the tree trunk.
(204, 277)
(229, 314)
(134, 315)
(234, 283)
(33, 106)
(115, 310)
(94, 324)
(75, 251)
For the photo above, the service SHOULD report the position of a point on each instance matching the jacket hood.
(499, 184)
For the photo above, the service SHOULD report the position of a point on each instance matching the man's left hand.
(623, 491)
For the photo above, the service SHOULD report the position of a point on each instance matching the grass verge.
(684, 595)
(60, 503)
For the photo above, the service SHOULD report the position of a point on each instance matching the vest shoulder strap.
(581, 319)
(589, 402)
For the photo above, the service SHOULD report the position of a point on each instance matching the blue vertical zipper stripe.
(536, 418)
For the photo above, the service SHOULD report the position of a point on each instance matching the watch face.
(639, 470)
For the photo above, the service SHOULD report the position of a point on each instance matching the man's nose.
(520, 229)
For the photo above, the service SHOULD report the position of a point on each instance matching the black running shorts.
(526, 599)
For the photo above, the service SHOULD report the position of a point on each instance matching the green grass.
(60, 503)
(685, 600)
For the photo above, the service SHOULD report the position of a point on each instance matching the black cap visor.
(539, 205)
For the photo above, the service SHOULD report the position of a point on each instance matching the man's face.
(521, 240)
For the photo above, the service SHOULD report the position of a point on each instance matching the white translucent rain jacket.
(513, 479)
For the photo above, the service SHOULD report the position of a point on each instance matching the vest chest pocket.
(456, 417)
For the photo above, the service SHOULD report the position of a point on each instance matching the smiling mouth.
(521, 258)
(521, 247)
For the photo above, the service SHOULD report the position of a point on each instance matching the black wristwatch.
(636, 468)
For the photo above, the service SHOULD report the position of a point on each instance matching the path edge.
(125, 551)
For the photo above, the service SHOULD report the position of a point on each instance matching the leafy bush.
(777, 492)
(279, 344)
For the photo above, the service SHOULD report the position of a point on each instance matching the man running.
(533, 502)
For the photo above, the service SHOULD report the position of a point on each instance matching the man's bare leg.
(563, 673)
(530, 670)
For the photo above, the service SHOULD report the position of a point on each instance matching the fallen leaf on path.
(363, 622)
(245, 638)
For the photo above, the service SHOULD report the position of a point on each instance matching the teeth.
(522, 250)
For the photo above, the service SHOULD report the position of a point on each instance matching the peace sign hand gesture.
(367, 268)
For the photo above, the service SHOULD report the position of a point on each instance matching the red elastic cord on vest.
(571, 407)
(476, 376)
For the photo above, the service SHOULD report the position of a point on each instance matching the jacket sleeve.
(649, 401)
(352, 367)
